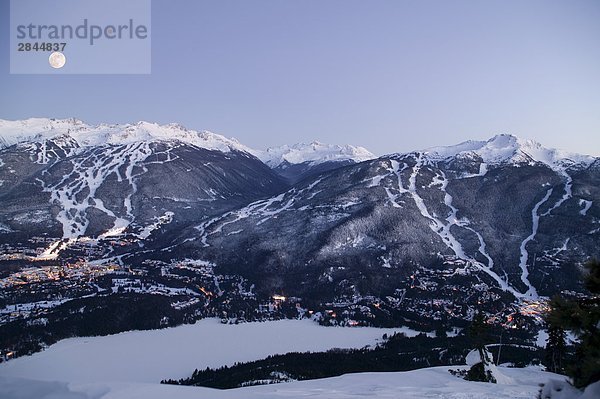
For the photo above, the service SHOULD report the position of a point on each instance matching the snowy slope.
(434, 382)
(315, 153)
(505, 148)
(40, 129)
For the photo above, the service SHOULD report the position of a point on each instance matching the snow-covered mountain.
(292, 162)
(313, 153)
(300, 161)
(380, 213)
(504, 218)
(505, 148)
(65, 175)
(41, 129)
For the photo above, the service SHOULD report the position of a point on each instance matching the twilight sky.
(391, 76)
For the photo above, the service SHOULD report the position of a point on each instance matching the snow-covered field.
(129, 365)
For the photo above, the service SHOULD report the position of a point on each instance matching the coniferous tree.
(582, 317)
(479, 335)
(555, 349)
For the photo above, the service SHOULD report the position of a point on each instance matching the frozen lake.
(150, 356)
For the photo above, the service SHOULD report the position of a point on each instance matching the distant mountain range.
(420, 237)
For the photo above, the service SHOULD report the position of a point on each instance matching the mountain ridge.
(500, 148)
(39, 129)
(506, 148)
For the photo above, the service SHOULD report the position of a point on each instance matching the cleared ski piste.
(151, 356)
(129, 365)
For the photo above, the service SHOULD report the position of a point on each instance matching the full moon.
(57, 60)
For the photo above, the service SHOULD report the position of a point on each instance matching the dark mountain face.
(62, 190)
(294, 173)
(369, 229)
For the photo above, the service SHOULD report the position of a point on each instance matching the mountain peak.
(507, 148)
(315, 153)
(503, 139)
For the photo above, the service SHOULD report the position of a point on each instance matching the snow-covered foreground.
(150, 356)
(434, 382)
